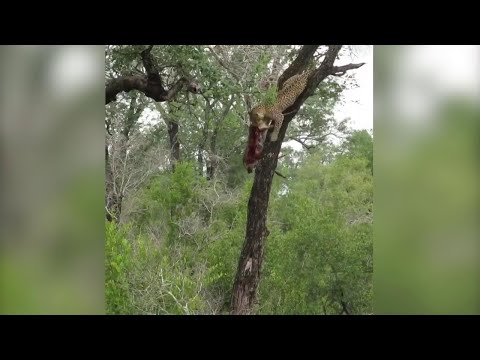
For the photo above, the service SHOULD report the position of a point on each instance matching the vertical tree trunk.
(174, 143)
(200, 160)
(174, 153)
(211, 170)
(213, 161)
(172, 128)
(251, 259)
(203, 142)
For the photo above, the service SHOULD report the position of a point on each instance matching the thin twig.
(283, 176)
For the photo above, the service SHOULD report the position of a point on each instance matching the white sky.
(361, 113)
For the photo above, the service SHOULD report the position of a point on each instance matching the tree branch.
(126, 84)
(318, 139)
(341, 70)
(299, 64)
(323, 71)
(246, 97)
(150, 66)
(308, 147)
(283, 176)
(151, 84)
(222, 64)
(175, 89)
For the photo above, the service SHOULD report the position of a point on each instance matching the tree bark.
(201, 146)
(151, 84)
(205, 130)
(213, 161)
(174, 142)
(200, 159)
(251, 259)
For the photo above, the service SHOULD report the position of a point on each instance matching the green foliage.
(270, 95)
(143, 280)
(168, 198)
(118, 263)
(360, 145)
(193, 272)
(177, 250)
(319, 253)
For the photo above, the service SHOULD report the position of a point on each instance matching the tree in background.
(359, 144)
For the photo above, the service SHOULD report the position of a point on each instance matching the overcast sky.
(361, 113)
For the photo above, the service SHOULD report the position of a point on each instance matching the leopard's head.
(258, 117)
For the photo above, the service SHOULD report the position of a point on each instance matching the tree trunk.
(202, 144)
(213, 161)
(211, 170)
(251, 259)
(200, 160)
(174, 143)
(174, 154)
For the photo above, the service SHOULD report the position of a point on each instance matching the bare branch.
(283, 176)
(300, 63)
(318, 139)
(175, 89)
(341, 70)
(324, 70)
(308, 147)
(222, 63)
(246, 97)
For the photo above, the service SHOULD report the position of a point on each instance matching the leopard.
(263, 115)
